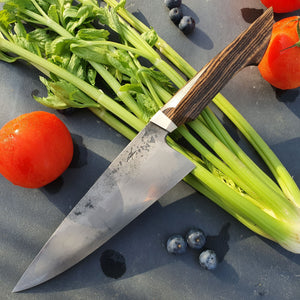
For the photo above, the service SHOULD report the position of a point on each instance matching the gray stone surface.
(251, 267)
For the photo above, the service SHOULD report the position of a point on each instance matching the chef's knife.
(147, 168)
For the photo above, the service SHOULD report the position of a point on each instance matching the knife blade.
(147, 168)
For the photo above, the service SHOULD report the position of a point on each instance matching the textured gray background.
(251, 266)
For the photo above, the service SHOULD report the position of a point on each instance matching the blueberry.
(196, 238)
(176, 244)
(176, 15)
(172, 3)
(187, 24)
(208, 260)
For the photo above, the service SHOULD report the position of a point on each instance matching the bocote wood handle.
(247, 49)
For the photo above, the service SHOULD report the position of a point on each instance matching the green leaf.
(26, 44)
(92, 34)
(14, 5)
(52, 13)
(41, 36)
(102, 15)
(113, 21)
(84, 14)
(159, 76)
(61, 60)
(51, 100)
(150, 37)
(20, 30)
(62, 94)
(59, 46)
(121, 4)
(121, 60)
(91, 76)
(72, 96)
(95, 54)
(6, 18)
(131, 87)
(88, 2)
(147, 106)
(70, 12)
(7, 58)
(117, 74)
(77, 66)
(45, 4)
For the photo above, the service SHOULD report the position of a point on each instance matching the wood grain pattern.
(247, 49)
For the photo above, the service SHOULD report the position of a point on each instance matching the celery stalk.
(282, 176)
(91, 91)
(223, 172)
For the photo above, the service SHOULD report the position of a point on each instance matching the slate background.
(251, 267)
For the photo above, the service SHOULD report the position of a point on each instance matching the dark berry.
(172, 3)
(176, 244)
(176, 15)
(187, 24)
(208, 260)
(196, 238)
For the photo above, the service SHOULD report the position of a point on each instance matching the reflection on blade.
(145, 170)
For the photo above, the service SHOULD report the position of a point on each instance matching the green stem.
(114, 123)
(125, 97)
(139, 43)
(285, 232)
(282, 176)
(87, 44)
(91, 91)
(267, 195)
(40, 10)
(163, 47)
(216, 161)
(216, 198)
(272, 226)
(264, 209)
(207, 115)
(46, 21)
(227, 140)
(115, 86)
(149, 83)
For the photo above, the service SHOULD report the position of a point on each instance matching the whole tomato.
(35, 149)
(282, 6)
(280, 65)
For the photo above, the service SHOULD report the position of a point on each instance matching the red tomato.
(280, 65)
(35, 149)
(282, 6)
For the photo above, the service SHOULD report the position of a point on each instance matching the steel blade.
(145, 170)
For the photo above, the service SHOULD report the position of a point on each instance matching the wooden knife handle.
(247, 49)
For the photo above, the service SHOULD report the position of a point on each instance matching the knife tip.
(24, 283)
(20, 286)
(17, 288)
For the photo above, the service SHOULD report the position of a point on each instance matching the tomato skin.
(281, 66)
(35, 149)
(282, 6)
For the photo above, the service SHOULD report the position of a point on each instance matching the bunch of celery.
(70, 43)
